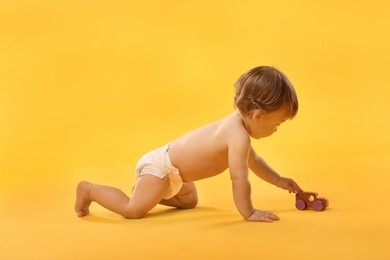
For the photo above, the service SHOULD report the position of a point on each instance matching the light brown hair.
(265, 88)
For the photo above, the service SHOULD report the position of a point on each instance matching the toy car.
(310, 200)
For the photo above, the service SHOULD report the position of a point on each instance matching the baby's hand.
(288, 184)
(263, 216)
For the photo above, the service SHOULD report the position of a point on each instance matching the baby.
(264, 99)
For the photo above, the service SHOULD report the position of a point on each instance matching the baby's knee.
(189, 201)
(133, 214)
(192, 204)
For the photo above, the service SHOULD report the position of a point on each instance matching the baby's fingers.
(269, 219)
(272, 217)
(294, 187)
(263, 216)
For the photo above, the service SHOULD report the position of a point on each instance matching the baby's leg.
(187, 198)
(82, 198)
(147, 193)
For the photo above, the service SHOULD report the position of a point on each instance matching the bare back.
(203, 152)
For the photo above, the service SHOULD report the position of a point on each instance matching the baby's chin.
(257, 137)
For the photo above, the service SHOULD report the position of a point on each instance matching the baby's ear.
(259, 113)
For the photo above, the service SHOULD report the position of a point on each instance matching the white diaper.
(158, 163)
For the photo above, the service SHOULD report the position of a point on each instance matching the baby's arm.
(238, 152)
(265, 172)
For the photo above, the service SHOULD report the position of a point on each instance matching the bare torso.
(203, 152)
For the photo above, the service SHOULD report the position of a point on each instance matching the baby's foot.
(82, 198)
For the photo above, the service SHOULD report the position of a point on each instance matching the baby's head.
(265, 88)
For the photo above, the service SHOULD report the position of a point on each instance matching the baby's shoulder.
(233, 127)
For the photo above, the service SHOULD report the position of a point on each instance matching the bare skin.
(199, 154)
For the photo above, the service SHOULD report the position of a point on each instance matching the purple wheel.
(318, 205)
(300, 204)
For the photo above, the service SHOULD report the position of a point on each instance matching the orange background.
(87, 87)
